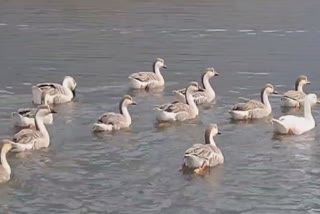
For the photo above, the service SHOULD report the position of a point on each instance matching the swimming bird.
(5, 169)
(33, 139)
(203, 95)
(202, 156)
(58, 93)
(25, 117)
(295, 98)
(115, 121)
(148, 80)
(291, 124)
(254, 109)
(178, 111)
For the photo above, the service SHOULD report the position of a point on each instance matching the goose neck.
(4, 161)
(265, 98)
(124, 111)
(191, 103)
(40, 125)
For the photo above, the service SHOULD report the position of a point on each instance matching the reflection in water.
(157, 92)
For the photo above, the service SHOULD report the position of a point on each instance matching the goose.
(58, 93)
(203, 95)
(148, 80)
(5, 169)
(202, 156)
(295, 98)
(115, 121)
(291, 124)
(30, 139)
(178, 111)
(254, 109)
(24, 117)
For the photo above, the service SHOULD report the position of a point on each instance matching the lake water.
(100, 43)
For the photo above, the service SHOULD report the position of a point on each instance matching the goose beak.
(318, 101)
(216, 74)
(275, 92)
(219, 133)
(133, 103)
(74, 92)
(53, 111)
(164, 66)
(308, 82)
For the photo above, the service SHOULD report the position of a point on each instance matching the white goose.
(203, 95)
(178, 111)
(254, 109)
(295, 98)
(148, 80)
(291, 124)
(115, 121)
(30, 139)
(5, 169)
(58, 93)
(25, 117)
(202, 156)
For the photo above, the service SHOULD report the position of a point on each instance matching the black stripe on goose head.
(299, 81)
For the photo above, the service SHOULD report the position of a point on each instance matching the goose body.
(254, 109)
(148, 80)
(25, 117)
(295, 98)
(114, 121)
(179, 111)
(206, 94)
(291, 124)
(33, 139)
(5, 169)
(58, 94)
(202, 156)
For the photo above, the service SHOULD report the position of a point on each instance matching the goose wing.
(295, 95)
(176, 107)
(250, 105)
(200, 151)
(111, 118)
(144, 76)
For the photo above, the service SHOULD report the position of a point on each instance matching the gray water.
(100, 43)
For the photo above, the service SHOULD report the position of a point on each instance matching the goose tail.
(279, 127)
(101, 127)
(36, 95)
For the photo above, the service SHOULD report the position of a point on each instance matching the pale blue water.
(100, 43)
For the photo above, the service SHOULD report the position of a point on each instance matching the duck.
(148, 80)
(200, 157)
(254, 109)
(33, 139)
(179, 111)
(205, 94)
(295, 98)
(25, 117)
(115, 121)
(59, 94)
(291, 124)
(5, 169)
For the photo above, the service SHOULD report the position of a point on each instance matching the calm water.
(250, 42)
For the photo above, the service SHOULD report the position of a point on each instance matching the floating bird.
(5, 169)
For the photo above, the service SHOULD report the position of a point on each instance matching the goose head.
(70, 83)
(312, 99)
(193, 87)
(159, 63)
(211, 131)
(210, 72)
(301, 81)
(269, 89)
(44, 110)
(128, 100)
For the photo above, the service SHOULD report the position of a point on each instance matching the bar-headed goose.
(295, 98)
(254, 109)
(58, 93)
(115, 121)
(25, 117)
(5, 169)
(179, 111)
(33, 139)
(148, 80)
(291, 124)
(202, 156)
(203, 95)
